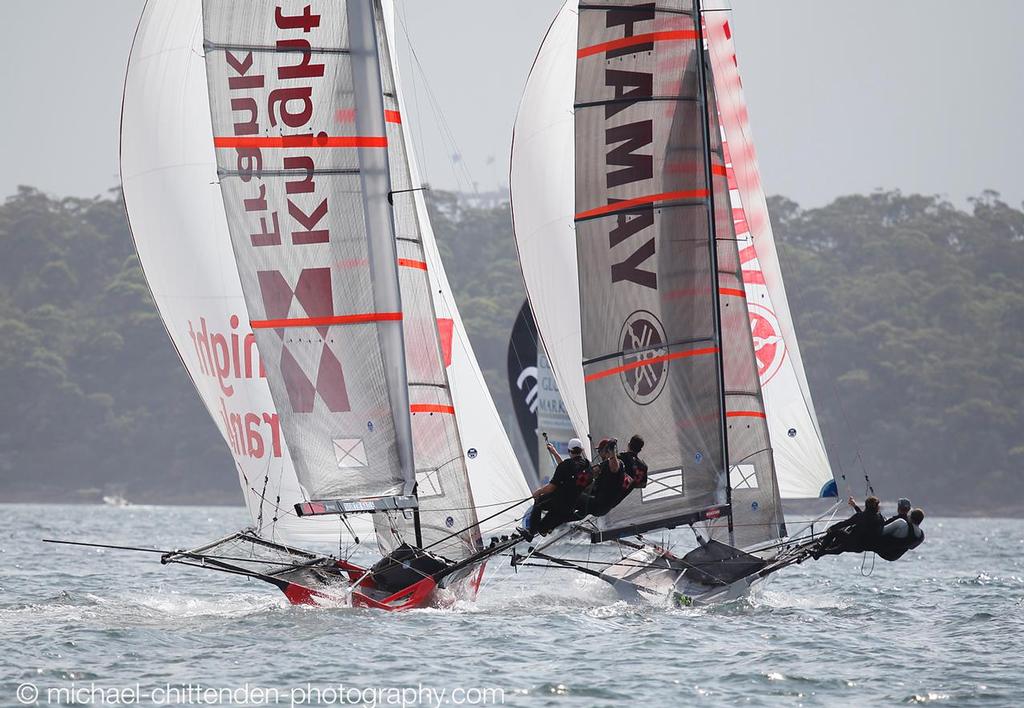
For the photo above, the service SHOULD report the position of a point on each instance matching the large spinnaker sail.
(448, 519)
(801, 461)
(306, 199)
(169, 179)
(648, 294)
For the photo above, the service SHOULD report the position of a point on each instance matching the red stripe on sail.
(431, 408)
(325, 321)
(668, 36)
(410, 263)
(445, 330)
(639, 201)
(745, 414)
(646, 362)
(301, 141)
(754, 277)
(392, 116)
(732, 291)
(748, 254)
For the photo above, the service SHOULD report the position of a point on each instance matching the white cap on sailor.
(575, 444)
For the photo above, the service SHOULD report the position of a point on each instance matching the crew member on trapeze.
(555, 503)
(855, 533)
(868, 531)
(901, 534)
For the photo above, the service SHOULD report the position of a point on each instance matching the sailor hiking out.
(556, 502)
(868, 530)
(900, 535)
(614, 477)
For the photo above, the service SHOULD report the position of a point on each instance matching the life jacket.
(890, 549)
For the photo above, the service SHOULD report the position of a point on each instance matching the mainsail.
(544, 214)
(652, 358)
(306, 200)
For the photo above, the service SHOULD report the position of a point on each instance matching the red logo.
(769, 347)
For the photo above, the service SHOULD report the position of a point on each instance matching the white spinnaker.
(169, 178)
(545, 235)
(543, 210)
(495, 475)
(801, 462)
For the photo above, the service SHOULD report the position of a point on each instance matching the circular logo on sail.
(769, 346)
(645, 371)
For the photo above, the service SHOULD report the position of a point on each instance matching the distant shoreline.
(942, 513)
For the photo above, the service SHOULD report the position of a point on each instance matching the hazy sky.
(844, 97)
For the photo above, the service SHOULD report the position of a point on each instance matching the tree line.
(909, 312)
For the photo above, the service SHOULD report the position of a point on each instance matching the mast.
(713, 248)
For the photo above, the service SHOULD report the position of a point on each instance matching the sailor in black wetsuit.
(636, 469)
(855, 534)
(610, 485)
(556, 501)
(899, 536)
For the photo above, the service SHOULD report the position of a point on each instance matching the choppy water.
(943, 626)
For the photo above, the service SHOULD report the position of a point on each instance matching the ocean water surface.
(943, 626)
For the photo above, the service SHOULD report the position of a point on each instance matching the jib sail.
(800, 457)
(447, 515)
(306, 200)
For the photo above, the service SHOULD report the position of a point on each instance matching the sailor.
(900, 535)
(636, 469)
(556, 501)
(855, 533)
(610, 479)
(902, 510)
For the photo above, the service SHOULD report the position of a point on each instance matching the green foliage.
(94, 397)
(909, 316)
(909, 312)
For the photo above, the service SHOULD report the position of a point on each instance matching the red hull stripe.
(302, 141)
(430, 408)
(325, 321)
(410, 263)
(638, 201)
(392, 116)
(647, 362)
(745, 414)
(732, 291)
(668, 36)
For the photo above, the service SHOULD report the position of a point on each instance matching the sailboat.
(279, 218)
(649, 266)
